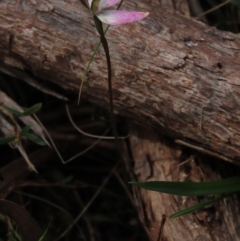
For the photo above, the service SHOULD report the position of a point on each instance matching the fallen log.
(152, 157)
(170, 72)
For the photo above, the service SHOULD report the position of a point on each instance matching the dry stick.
(161, 227)
(87, 134)
(56, 149)
(82, 132)
(25, 157)
(45, 201)
(87, 221)
(125, 188)
(86, 150)
(90, 202)
(213, 9)
(48, 202)
(211, 153)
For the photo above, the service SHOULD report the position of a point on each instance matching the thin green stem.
(91, 59)
(104, 42)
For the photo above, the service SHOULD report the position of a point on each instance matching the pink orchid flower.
(100, 8)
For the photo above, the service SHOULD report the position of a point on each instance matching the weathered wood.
(169, 71)
(155, 158)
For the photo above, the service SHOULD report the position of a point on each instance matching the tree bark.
(170, 72)
(152, 158)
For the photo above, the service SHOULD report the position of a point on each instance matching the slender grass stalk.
(91, 59)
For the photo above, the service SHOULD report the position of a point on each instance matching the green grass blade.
(44, 234)
(25, 130)
(7, 118)
(6, 140)
(34, 139)
(15, 112)
(225, 186)
(196, 207)
(32, 110)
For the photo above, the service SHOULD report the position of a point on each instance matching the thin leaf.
(7, 118)
(99, 27)
(44, 234)
(196, 207)
(13, 111)
(34, 139)
(6, 140)
(32, 110)
(25, 130)
(228, 185)
(28, 227)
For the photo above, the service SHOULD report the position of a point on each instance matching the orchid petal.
(107, 3)
(117, 17)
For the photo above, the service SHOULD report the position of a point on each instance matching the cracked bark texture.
(152, 158)
(170, 72)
